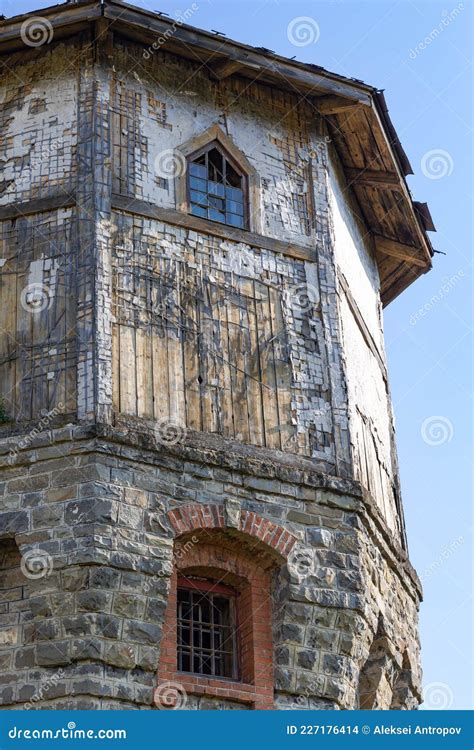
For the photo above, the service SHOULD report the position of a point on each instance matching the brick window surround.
(204, 548)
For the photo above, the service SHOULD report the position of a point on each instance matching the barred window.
(217, 188)
(207, 630)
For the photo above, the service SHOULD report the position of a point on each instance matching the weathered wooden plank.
(63, 199)
(252, 367)
(128, 378)
(144, 373)
(239, 392)
(267, 367)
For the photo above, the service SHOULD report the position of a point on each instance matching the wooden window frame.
(236, 166)
(251, 184)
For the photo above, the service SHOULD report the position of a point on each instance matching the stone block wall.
(88, 545)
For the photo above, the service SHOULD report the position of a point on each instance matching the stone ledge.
(141, 443)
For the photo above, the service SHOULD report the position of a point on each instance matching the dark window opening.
(206, 633)
(216, 188)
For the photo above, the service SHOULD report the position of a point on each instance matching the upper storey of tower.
(197, 238)
(351, 114)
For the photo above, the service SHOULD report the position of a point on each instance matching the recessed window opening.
(217, 189)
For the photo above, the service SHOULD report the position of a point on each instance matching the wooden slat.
(128, 385)
(267, 366)
(238, 379)
(144, 373)
(252, 367)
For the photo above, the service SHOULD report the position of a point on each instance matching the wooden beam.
(195, 223)
(333, 105)
(372, 177)
(398, 250)
(63, 199)
(224, 69)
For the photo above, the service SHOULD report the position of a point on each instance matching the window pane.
(234, 220)
(232, 177)
(197, 170)
(216, 202)
(216, 215)
(198, 197)
(216, 188)
(235, 208)
(198, 184)
(199, 211)
(235, 194)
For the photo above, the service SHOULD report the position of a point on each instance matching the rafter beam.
(333, 105)
(372, 177)
(398, 250)
(224, 69)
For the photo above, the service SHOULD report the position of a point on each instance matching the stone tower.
(199, 496)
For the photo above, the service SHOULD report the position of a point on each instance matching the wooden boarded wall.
(206, 333)
(37, 315)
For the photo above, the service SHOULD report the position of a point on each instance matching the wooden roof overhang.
(356, 114)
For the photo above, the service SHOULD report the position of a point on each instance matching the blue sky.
(420, 53)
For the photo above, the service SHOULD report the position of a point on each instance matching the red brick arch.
(241, 568)
(206, 516)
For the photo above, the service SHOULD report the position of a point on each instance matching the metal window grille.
(206, 633)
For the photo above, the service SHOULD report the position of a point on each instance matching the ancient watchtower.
(199, 497)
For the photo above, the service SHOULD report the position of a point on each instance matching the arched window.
(219, 183)
(217, 187)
